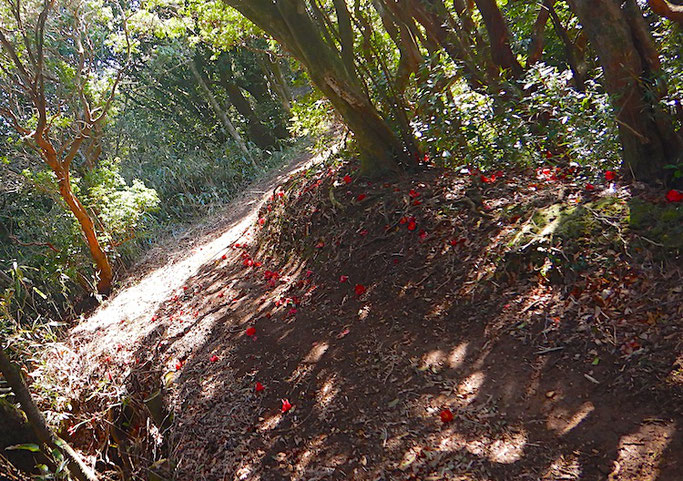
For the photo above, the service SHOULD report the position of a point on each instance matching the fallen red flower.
(261, 221)
(360, 197)
(446, 415)
(286, 405)
(359, 289)
(251, 331)
(413, 193)
(422, 234)
(213, 358)
(590, 186)
(411, 224)
(259, 387)
(347, 179)
(674, 196)
(610, 175)
(343, 278)
(179, 365)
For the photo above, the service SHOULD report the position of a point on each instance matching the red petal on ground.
(446, 415)
(359, 289)
(213, 358)
(251, 331)
(286, 405)
(259, 387)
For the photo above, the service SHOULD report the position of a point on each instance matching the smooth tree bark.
(29, 79)
(667, 9)
(617, 32)
(220, 112)
(291, 24)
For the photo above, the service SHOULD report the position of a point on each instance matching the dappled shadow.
(542, 384)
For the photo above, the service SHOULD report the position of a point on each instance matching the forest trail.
(123, 320)
(282, 348)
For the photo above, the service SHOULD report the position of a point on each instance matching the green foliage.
(543, 118)
(121, 207)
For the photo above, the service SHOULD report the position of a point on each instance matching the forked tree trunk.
(625, 52)
(289, 22)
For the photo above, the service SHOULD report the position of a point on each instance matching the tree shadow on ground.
(541, 358)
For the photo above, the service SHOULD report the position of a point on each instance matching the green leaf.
(39, 292)
(34, 448)
(596, 361)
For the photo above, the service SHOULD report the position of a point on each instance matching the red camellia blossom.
(359, 289)
(446, 415)
(224, 257)
(343, 278)
(674, 196)
(360, 197)
(590, 186)
(179, 365)
(259, 387)
(347, 179)
(286, 405)
(610, 175)
(422, 234)
(213, 358)
(251, 331)
(403, 220)
(411, 224)
(413, 193)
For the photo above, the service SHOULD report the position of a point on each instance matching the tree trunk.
(499, 36)
(571, 52)
(667, 9)
(289, 22)
(538, 36)
(13, 377)
(104, 270)
(647, 136)
(258, 132)
(220, 113)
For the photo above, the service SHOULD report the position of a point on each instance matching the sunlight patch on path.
(126, 318)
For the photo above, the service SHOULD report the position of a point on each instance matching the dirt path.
(287, 350)
(115, 329)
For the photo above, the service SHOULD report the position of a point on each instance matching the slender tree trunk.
(104, 270)
(220, 113)
(258, 132)
(538, 36)
(571, 52)
(13, 377)
(647, 136)
(499, 36)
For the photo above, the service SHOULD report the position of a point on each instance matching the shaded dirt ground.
(553, 336)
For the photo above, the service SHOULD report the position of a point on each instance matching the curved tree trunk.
(625, 53)
(289, 22)
(104, 270)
